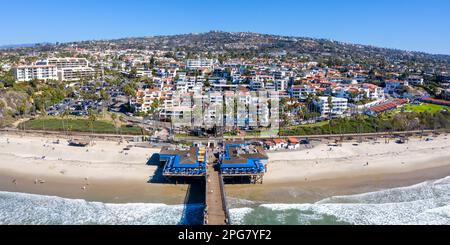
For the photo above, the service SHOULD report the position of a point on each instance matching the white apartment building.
(373, 91)
(40, 72)
(63, 69)
(199, 63)
(302, 91)
(281, 84)
(339, 106)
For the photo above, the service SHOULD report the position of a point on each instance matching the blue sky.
(419, 25)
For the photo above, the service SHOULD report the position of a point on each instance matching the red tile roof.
(293, 140)
(279, 141)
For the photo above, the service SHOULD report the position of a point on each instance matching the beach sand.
(105, 172)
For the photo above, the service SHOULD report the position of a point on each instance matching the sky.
(415, 25)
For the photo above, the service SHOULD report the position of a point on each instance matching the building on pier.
(240, 160)
(184, 163)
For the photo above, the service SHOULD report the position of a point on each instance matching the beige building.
(62, 63)
(76, 73)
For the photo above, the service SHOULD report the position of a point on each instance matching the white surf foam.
(424, 203)
(20, 208)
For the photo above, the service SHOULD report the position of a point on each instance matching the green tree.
(129, 89)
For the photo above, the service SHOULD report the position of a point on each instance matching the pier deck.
(216, 210)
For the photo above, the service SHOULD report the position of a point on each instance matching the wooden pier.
(216, 212)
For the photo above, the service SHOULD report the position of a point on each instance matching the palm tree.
(330, 105)
(43, 114)
(62, 121)
(114, 117)
(92, 118)
(121, 118)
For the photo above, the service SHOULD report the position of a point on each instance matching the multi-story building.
(144, 99)
(199, 63)
(76, 73)
(394, 86)
(338, 106)
(302, 91)
(63, 69)
(40, 72)
(68, 62)
(415, 80)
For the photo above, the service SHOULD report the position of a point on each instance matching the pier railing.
(224, 199)
(205, 211)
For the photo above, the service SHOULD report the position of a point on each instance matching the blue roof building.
(190, 162)
(243, 160)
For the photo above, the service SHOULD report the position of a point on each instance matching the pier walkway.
(216, 212)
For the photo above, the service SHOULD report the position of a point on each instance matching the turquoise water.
(424, 203)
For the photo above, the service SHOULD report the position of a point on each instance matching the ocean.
(424, 203)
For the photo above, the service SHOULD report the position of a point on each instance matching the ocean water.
(424, 203)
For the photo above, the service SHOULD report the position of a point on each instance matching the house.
(293, 143)
(446, 94)
(394, 86)
(280, 143)
(269, 145)
(415, 80)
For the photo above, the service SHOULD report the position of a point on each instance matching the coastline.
(105, 173)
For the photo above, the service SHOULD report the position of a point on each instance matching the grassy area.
(181, 135)
(431, 108)
(78, 125)
(317, 124)
(400, 121)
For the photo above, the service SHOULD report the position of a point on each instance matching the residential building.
(394, 86)
(40, 72)
(302, 91)
(68, 62)
(415, 80)
(76, 73)
(337, 109)
(199, 63)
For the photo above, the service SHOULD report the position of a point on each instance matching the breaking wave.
(424, 203)
(20, 208)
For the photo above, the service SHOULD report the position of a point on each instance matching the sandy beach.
(108, 173)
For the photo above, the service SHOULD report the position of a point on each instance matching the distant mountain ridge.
(11, 46)
(248, 44)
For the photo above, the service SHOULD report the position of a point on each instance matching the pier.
(237, 162)
(216, 212)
